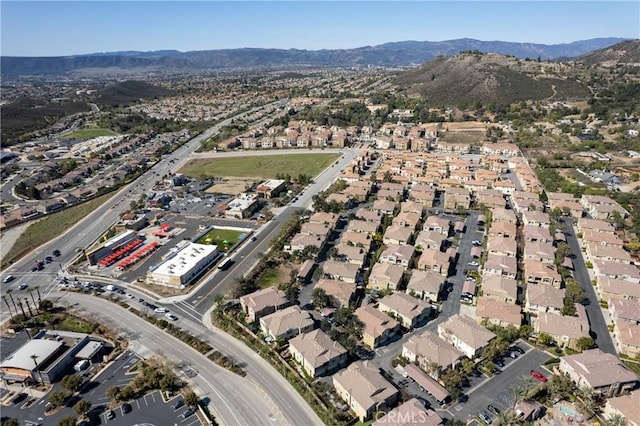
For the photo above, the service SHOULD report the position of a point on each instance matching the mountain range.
(402, 54)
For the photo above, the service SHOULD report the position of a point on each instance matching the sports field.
(86, 134)
(223, 238)
(265, 167)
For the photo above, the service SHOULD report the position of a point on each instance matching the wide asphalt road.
(236, 400)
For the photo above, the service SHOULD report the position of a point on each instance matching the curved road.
(235, 400)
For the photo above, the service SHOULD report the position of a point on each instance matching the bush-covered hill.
(474, 76)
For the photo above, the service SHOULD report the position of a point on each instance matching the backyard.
(265, 167)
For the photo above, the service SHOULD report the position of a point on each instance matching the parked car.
(538, 375)
(111, 415)
(499, 363)
(513, 354)
(518, 349)
(473, 263)
(493, 409)
(171, 317)
(126, 408)
(179, 403)
(485, 417)
(186, 413)
(161, 310)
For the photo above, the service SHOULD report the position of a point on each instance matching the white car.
(130, 296)
(474, 263)
(161, 310)
(171, 317)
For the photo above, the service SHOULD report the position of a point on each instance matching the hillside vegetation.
(477, 77)
(131, 91)
(627, 52)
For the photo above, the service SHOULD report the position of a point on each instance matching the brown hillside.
(469, 77)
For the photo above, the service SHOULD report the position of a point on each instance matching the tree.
(467, 366)
(506, 418)
(585, 342)
(574, 291)
(45, 305)
(72, 382)
(81, 407)
(68, 421)
(191, 399)
(545, 339)
(56, 398)
(34, 358)
(319, 298)
(113, 392)
(615, 419)
(4, 299)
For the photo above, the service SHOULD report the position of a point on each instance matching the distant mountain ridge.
(404, 53)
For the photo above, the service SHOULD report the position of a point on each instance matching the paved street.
(235, 400)
(597, 323)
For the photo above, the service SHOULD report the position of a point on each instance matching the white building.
(242, 206)
(186, 264)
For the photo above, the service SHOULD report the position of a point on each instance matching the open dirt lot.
(231, 185)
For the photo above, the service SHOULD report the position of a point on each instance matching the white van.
(8, 278)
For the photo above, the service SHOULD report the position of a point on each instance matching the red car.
(538, 375)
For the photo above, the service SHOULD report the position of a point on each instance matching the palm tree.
(9, 291)
(507, 418)
(21, 308)
(37, 288)
(615, 419)
(26, 302)
(4, 299)
(34, 357)
(33, 299)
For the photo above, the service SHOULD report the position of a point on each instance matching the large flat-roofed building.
(270, 188)
(48, 356)
(242, 206)
(185, 265)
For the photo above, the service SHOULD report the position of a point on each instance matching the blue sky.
(57, 28)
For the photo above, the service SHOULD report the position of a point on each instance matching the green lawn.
(50, 227)
(266, 167)
(223, 238)
(86, 134)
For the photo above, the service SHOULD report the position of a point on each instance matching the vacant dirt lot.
(231, 185)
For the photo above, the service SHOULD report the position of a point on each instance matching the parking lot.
(149, 409)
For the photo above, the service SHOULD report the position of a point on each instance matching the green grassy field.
(50, 227)
(86, 134)
(223, 238)
(265, 167)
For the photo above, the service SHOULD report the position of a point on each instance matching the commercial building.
(270, 188)
(48, 355)
(95, 254)
(184, 265)
(242, 206)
